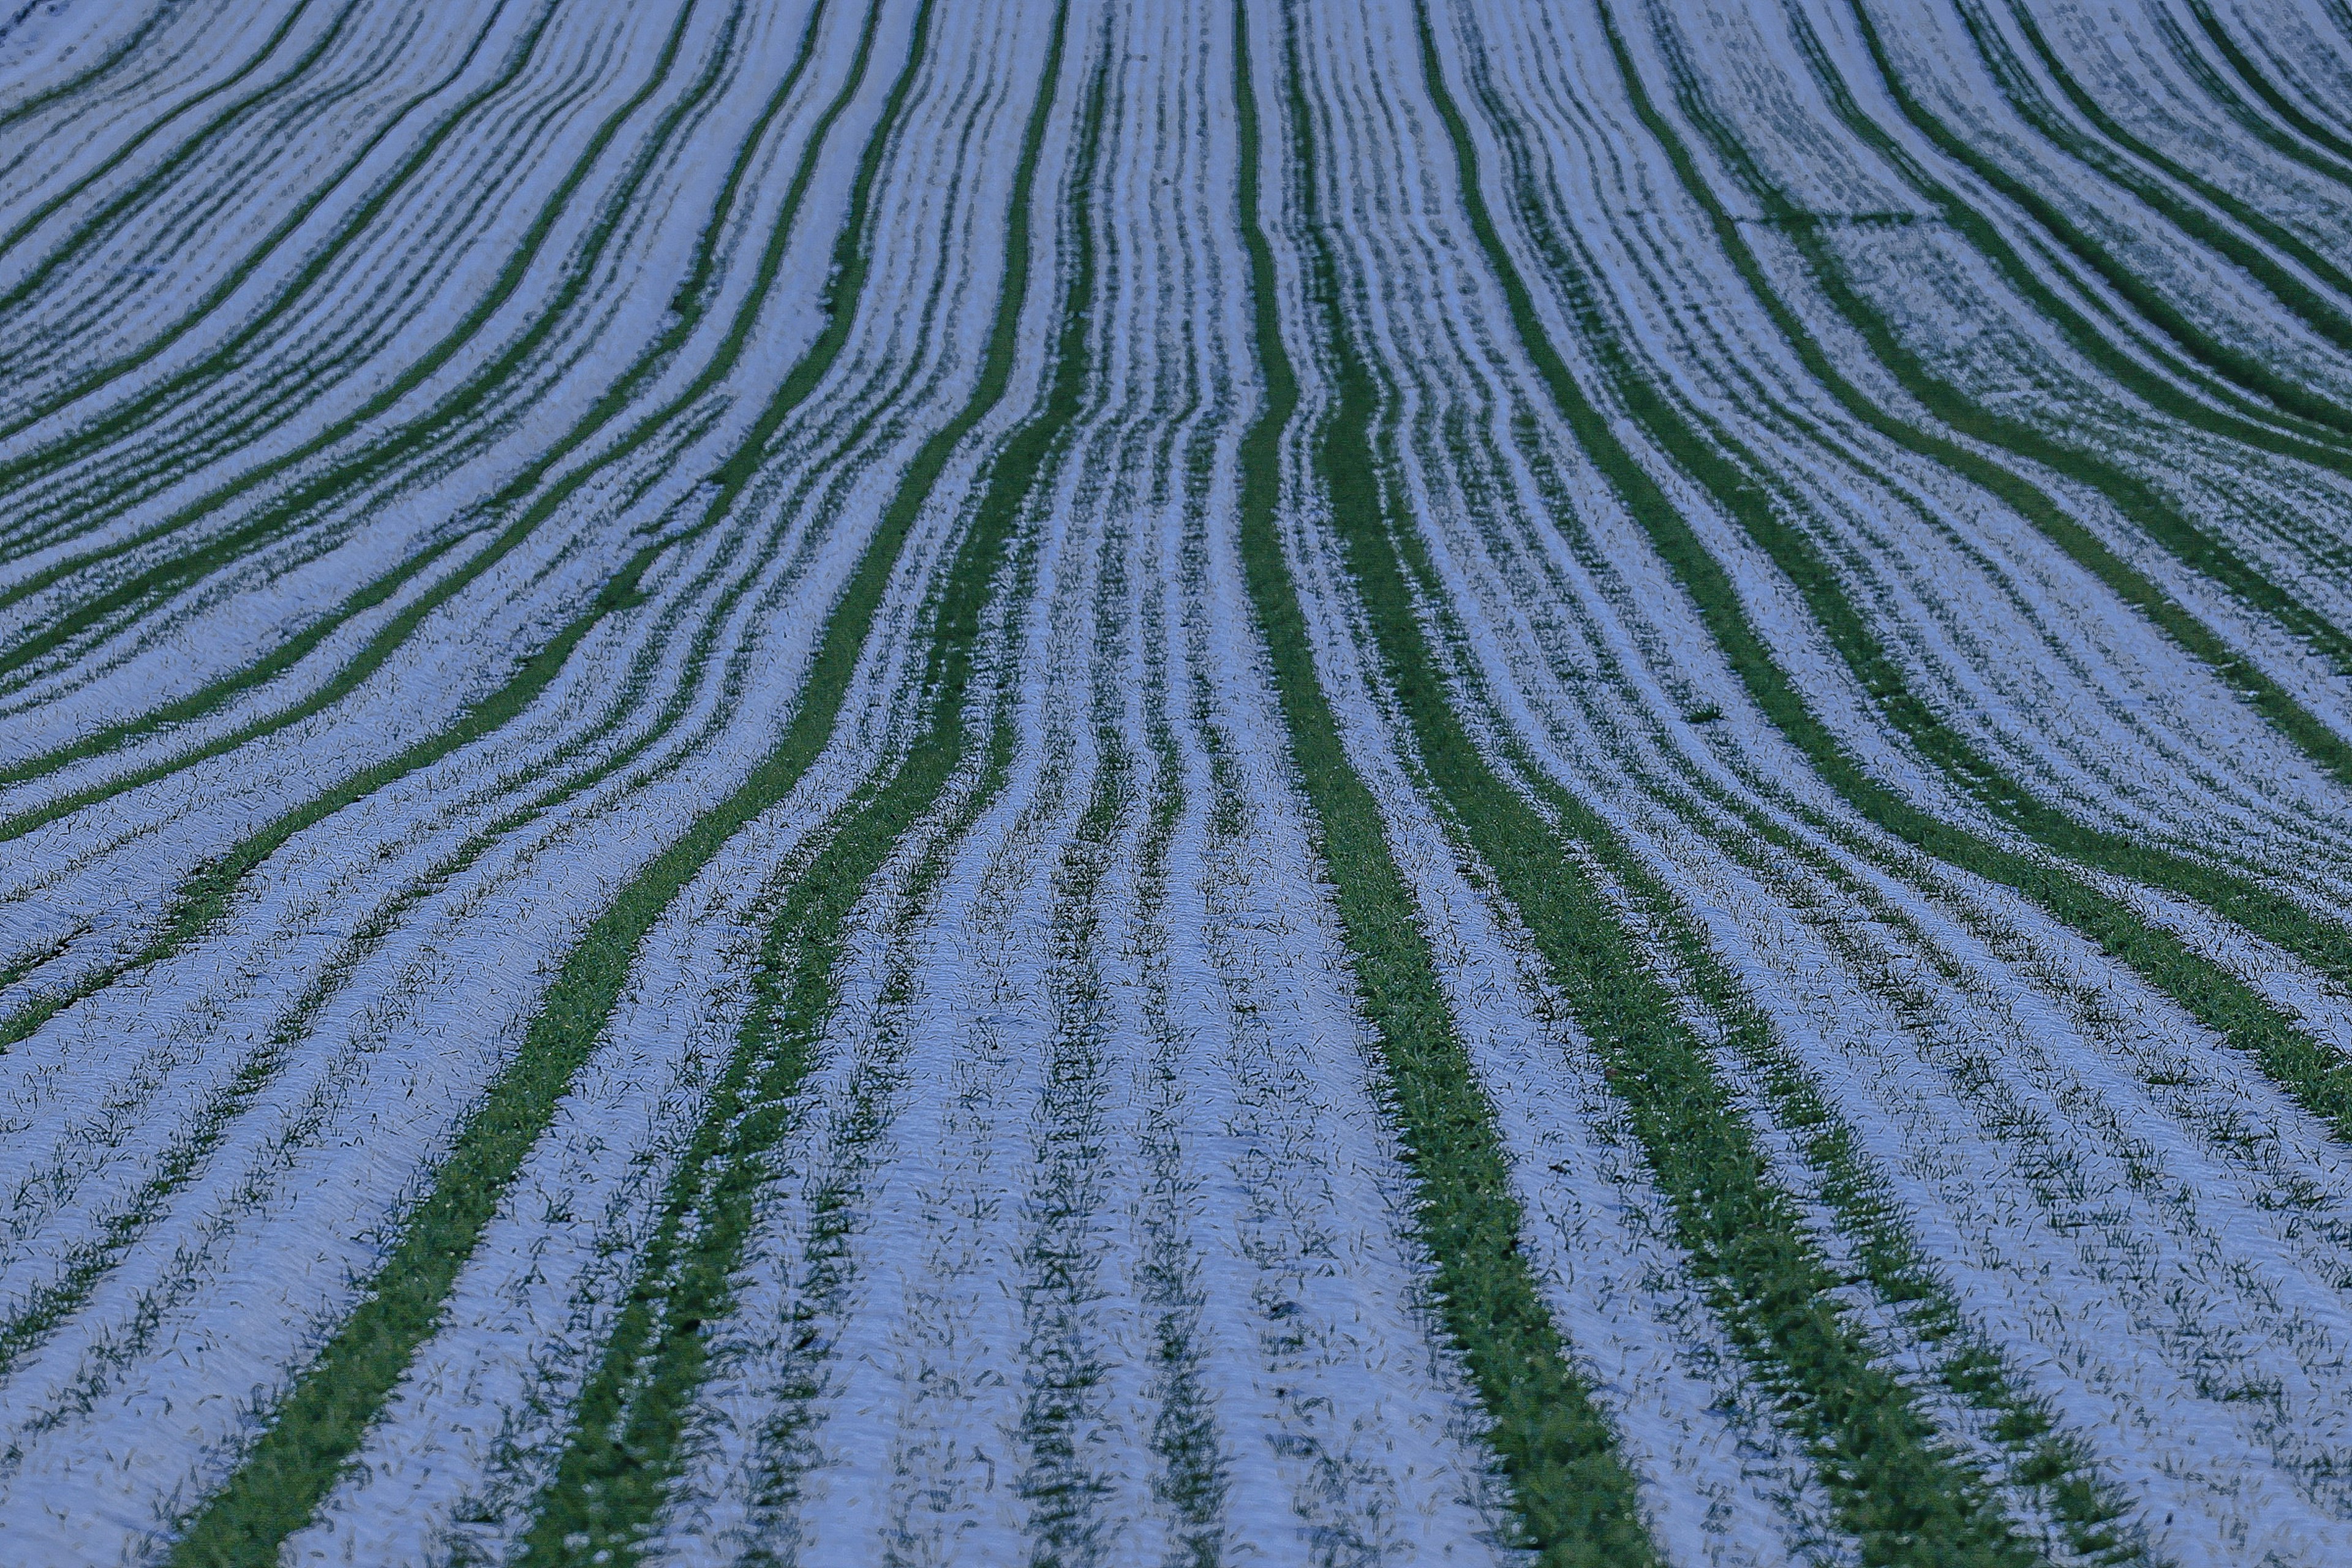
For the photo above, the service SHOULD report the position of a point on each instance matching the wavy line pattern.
(1184, 782)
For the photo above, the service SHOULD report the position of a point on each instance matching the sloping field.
(1176, 782)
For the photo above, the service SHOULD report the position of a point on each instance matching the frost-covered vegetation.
(1176, 782)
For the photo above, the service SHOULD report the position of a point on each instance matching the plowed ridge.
(1183, 781)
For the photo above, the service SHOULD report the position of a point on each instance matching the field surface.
(1176, 782)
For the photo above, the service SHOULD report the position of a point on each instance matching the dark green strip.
(621, 590)
(1193, 1475)
(624, 1448)
(422, 433)
(322, 1421)
(2319, 1081)
(1576, 1502)
(1894, 1484)
(231, 349)
(2200, 549)
(144, 187)
(1065, 1477)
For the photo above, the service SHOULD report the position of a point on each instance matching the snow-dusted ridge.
(1181, 781)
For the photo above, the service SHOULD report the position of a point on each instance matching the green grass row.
(2320, 1080)
(425, 436)
(199, 899)
(1576, 1501)
(1894, 1484)
(2161, 517)
(321, 1421)
(625, 1447)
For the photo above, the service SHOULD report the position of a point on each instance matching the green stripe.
(2314, 1076)
(1067, 1478)
(1894, 1484)
(141, 189)
(624, 1448)
(1192, 1474)
(226, 354)
(1575, 1501)
(621, 590)
(2200, 549)
(322, 1421)
(418, 435)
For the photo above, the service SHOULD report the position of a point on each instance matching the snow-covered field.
(1176, 782)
